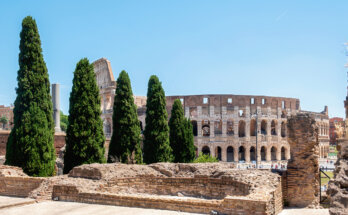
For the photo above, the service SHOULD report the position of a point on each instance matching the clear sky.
(274, 48)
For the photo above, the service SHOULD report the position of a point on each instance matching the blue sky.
(274, 48)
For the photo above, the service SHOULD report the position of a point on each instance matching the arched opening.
(206, 128)
(230, 154)
(206, 150)
(283, 114)
(283, 157)
(107, 127)
(141, 126)
(264, 127)
(252, 153)
(252, 127)
(218, 128)
(263, 153)
(230, 130)
(273, 153)
(241, 153)
(273, 128)
(283, 129)
(218, 153)
(194, 127)
(241, 129)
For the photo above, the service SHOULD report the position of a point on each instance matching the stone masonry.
(303, 167)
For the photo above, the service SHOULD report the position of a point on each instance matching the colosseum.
(229, 127)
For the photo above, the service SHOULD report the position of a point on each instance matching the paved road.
(29, 207)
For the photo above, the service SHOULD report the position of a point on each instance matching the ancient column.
(303, 167)
(56, 107)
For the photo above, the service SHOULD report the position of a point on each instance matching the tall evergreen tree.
(188, 149)
(156, 134)
(30, 144)
(177, 130)
(181, 135)
(125, 140)
(84, 137)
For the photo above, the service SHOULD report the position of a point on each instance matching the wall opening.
(253, 127)
(283, 129)
(263, 153)
(252, 101)
(241, 153)
(206, 150)
(218, 128)
(229, 100)
(229, 128)
(273, 153)
(252, 153)
(241, 129)
(206, 128)
(283, 153)
(194, 127)
(205, 100)
(274, 128)
(218, 153)
(264, 127)
(230, 154)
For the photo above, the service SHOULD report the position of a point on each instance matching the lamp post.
(256, 134)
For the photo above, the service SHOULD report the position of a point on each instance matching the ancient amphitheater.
(226, 126)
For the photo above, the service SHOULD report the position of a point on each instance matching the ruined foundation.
(338, 187)
(303, 167)
(199, 188)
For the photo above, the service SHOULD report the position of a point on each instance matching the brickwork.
(18, 186)
(303, 167)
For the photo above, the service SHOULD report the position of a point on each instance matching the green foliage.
(30, 144)
(3, 120)
(181, 135)
(125, 140)
(84, 137)
(156, 134)
(63, 121)
(204, 158)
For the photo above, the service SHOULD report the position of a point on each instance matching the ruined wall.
(303, 167)
(338, 187)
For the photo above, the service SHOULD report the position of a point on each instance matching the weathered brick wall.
(303, 167)
(209, 188)
(18, 186)
(228, 205)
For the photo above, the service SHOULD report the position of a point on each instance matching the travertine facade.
(8, 113)
(225, 125)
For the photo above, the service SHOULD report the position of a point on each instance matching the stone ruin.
(338, 188)
(199, 188)
(303, 167)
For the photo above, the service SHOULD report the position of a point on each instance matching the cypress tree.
(156, 134)
(30, 144)
(125, 140)
(177, 130)
(84, 137)
(188, 149)
(181, 135)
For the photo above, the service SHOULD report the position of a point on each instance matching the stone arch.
(252, 154)
(273, 153)
(206, 128)
(283, 129)
(241, 153)
(274, 127)
(283, 153)
(206, 150)
(194, 127)
(252, 127)
(230, 154)
(263, 153)
(264, 127)
(229, 127)
(241, 128)
(218, 153)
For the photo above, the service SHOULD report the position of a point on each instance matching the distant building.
(6, 112)
(336, 128)
(224, 125)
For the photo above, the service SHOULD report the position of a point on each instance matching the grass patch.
(324, 179)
